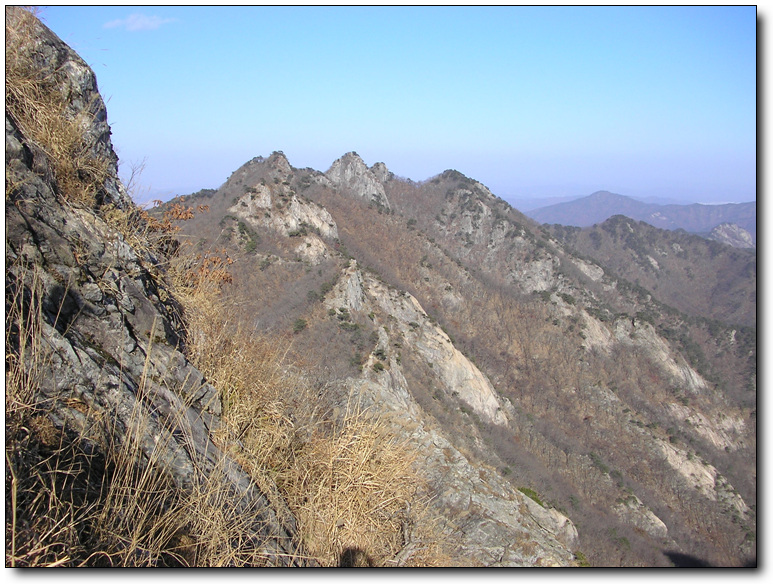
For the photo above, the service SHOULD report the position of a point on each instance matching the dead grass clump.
(41, 524)
(351, 488)
(35, 100)
(349, 482)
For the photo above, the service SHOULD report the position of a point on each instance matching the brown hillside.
(595, 398)
(700, 277)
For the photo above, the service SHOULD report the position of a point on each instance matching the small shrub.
(532, 494)
(598, 463)
(568, 298)
(582, 561)
(326, 287)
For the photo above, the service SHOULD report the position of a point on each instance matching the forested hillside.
(454, 311)
(700, 277)
(693, 218)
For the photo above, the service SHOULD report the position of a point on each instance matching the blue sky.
(643, 101)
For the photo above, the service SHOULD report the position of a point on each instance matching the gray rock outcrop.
(350, 173)
(110, 364)
(487, 521)
(278, 209)
(732, 234)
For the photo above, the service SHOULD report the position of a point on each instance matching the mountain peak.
(453, 174)
(351, 174)
(352, 158)
(601, 205)
(381, 172)
(607, 196)
(279, 161)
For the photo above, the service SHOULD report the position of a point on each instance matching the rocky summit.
(350, 368)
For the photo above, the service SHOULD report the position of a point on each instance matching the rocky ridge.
(350, 172)
(449, 255)
(491, 523)
(404, 335)
(667, 263)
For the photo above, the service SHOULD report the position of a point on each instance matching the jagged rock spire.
(351, 174)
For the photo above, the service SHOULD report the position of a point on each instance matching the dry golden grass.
(71, 505)
(351, 488)
(40, 108)
(349, 481)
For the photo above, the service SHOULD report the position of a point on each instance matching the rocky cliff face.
(489, 522)
(733, 235)
(278, 209)
(352, 175)
(406, 323)
(108, 364)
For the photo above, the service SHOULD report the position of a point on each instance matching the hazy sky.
(564, 100)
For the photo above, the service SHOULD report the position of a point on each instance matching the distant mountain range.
(695, 218)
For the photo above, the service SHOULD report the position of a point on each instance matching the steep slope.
(110, 431)
(503, 251)
(369, 342)
(602, 205)
(670, 264)
(439, 302)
